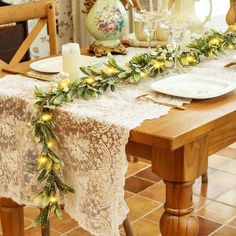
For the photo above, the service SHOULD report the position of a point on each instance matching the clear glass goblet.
(150, 16)
(176, 29)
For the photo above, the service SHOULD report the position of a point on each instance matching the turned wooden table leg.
(179, 168)
(177, 218)
(12, 218)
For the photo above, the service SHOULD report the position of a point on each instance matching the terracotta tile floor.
(215, 202)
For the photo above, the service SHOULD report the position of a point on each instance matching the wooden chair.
(44, 11)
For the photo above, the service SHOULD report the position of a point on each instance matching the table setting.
(71, 116)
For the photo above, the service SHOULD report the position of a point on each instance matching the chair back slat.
(52, 29)
(43, 10)
(28, 41)
(24, 11)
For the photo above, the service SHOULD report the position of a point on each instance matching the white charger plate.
(193, 86)
(54, 64)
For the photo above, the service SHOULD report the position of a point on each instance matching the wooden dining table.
(178, 146)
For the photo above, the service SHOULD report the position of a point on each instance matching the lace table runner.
(93, 135)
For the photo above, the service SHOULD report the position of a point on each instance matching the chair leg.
(131, 158)
(46, 230)
(205, 178)
(127, 228)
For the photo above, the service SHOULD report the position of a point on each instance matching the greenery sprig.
(96, 82)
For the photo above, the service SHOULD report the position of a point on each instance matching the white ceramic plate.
(193, 86)
(54, 64)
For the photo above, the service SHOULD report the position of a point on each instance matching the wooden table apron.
(178, 145)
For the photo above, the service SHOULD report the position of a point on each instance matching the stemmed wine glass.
(150, 16)
(176, 27)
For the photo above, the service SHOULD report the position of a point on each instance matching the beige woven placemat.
(132, 41)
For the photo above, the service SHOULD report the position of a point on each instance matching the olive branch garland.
(96, 82)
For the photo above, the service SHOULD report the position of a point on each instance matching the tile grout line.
(225, 203)
(69, 231)
(28, 227)
(214, 199)
(215, 221)
(143, 168)
(158, 183)
(217, 201)
(223, 225)
(151, 213)
(224, 171)
(143, 216)
(202, 206)
(149, 199)
(152, 181)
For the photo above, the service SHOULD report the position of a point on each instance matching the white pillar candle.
(71, 60)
